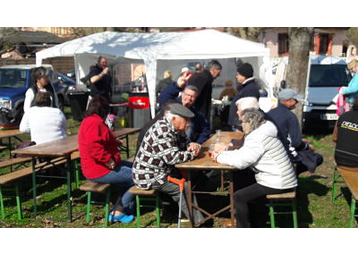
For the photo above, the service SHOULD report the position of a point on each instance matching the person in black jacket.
(101, 80)
(203, 81)
(345, 135)
(249, 88)
(167, 80)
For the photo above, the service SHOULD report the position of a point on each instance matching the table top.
(10, 133)
(64, 146)
(203, 160)
(56, 148)
(125, 131)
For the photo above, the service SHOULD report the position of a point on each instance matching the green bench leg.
(272, 215)
(156, 206)
(88, 207)
(334, 186)
(106, 215)
(157, 209)
(89, 202)
(353, 210)
(293, 211)
(2, 205)
(138, 210)
(18, 201)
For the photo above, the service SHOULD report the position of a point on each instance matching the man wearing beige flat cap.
(160, 150)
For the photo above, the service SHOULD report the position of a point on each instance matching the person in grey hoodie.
(264, 153)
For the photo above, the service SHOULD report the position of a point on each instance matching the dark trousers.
(245, 195)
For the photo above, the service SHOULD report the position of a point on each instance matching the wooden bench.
(149, 196)
(350, 177)
(14, 161)
(282, 200)
(102, 188)
(283, 196)
(15, 176)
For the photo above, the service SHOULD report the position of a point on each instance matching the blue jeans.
(121, 176)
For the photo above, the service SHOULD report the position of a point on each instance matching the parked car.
(15, 80)
(71, 74)
(69, 86)
(325, 75)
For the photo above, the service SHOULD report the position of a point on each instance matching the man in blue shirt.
(287, 122)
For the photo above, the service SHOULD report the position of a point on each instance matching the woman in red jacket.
(100, 157)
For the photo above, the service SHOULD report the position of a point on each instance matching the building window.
(323, 45)
(345, 45)
(283, 44)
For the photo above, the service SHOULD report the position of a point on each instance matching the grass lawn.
(315, 208)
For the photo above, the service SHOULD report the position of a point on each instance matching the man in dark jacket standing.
(203, 81)
(101, 79)
(249, 88)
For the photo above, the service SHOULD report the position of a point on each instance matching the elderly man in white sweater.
(43, 122)
(264, 153)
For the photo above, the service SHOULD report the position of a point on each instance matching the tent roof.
(202, 44)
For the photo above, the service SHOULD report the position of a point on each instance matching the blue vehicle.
(15, 80)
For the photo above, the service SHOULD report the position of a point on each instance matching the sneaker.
(121, 218)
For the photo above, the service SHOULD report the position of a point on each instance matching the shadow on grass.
(307, 186)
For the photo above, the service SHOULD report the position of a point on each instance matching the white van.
(325, 75)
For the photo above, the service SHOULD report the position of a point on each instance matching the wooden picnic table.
(204, 162)
(8, 134)
(62, 150)
(123, 133)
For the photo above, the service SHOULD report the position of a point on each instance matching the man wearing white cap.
(287, 122)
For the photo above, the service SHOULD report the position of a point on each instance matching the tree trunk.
(299, 45)
(247, 33)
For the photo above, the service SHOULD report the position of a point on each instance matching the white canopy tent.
(156, 49)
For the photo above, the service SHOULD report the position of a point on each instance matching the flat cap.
(286, 94)
(181, 110)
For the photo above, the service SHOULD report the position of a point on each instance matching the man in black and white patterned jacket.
(160, 150)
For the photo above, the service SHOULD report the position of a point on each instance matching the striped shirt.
(160, 149)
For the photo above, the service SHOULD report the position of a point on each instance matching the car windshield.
(329, 76)
(13, 78)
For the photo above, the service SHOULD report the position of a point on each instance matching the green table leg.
(34, 186)
(69, 188)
